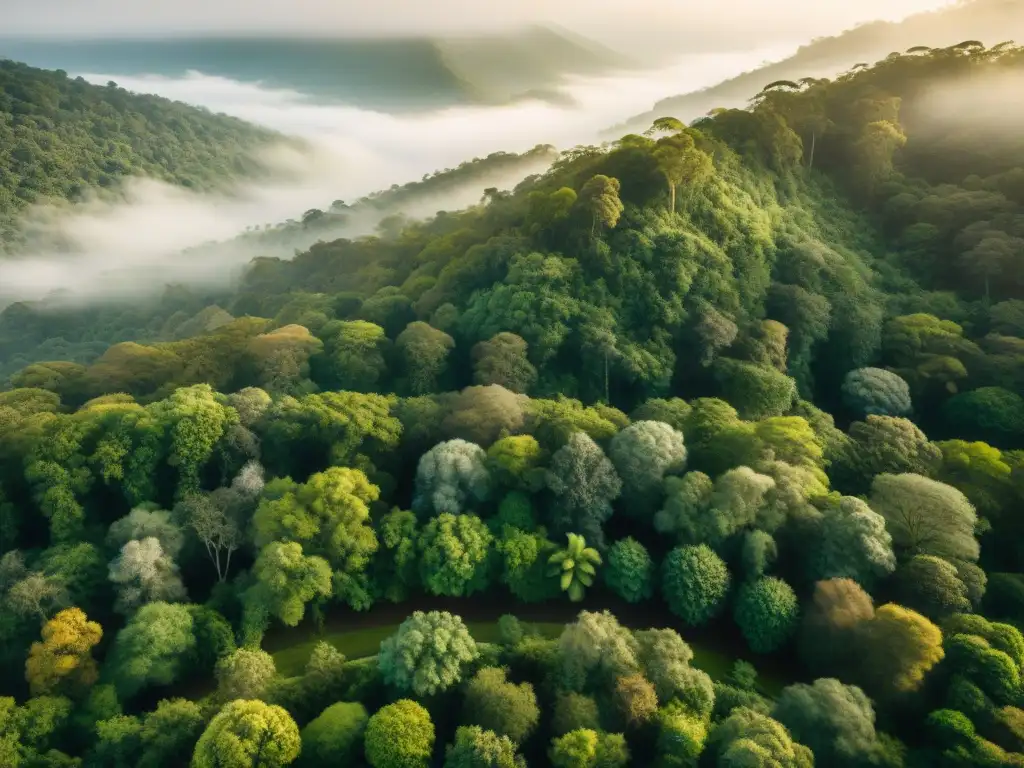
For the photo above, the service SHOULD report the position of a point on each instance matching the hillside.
(395, 74)
(988, 20)
(62, 138)
(746, 393)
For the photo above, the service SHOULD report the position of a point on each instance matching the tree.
(152, 649)
(169, 733)
(37, 595)
(400, 735)
(524, 564)
(585, 748)
(836, 721)
(630, 570)
(329, 516)
(584, 484)
(757, 392)
(925, 516)
(450, 477)
(574, 711)
(600, 198)
(930, 586)
(694, 582)
(244, 674)
(497, 705)
(678, 159)
(248, 734)
(854, 544)
(885, 444)
(876, 391)
(287, 579)
(595, 650)
(515, 462)
(502, 360)
(477, 748)
(216, 528)
(575, 567)
(901, 647)
(834, 624)
(396, 571)
(423, 351)
(484, 414)
(144, 573)
(665, 660)
(748, 738)
(992, 414)
(455, 555)
(427, 653)
(714, 332)
(642, 454)
(144, 522)
(635, 700)
(64, 658)
(335, 736)
(766, 612)
(738, 496)
(681, 735)
(686, 501)
(355, 354)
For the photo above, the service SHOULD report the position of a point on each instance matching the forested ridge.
(62, 137)
(762, 371)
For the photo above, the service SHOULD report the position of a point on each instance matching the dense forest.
(755, 380)
(62, 138)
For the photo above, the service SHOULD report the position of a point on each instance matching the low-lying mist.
(132, 248)
(990, 103)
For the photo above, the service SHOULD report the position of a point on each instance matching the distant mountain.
(379, 73)
(990, 21)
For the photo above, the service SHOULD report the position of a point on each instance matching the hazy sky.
(799, 18)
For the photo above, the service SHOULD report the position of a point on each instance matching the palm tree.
(575, 566)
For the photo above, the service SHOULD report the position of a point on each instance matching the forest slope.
(61, 138)
(988, 20)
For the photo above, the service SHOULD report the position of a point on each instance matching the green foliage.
(401, 735)
(836, 721)
(756, 392)
(748, 737)
(574, 567)
(335, 735)
(766, 612)
(248, 733)
(287, 579)
(574, 711)
(455, 555)
(585, 748)
(694, 583)
(477, 748)
(497, 705)
(876, 391)
(584, 483)
(427, 653)
(329, 517)
(152, 649)
(630, 570)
